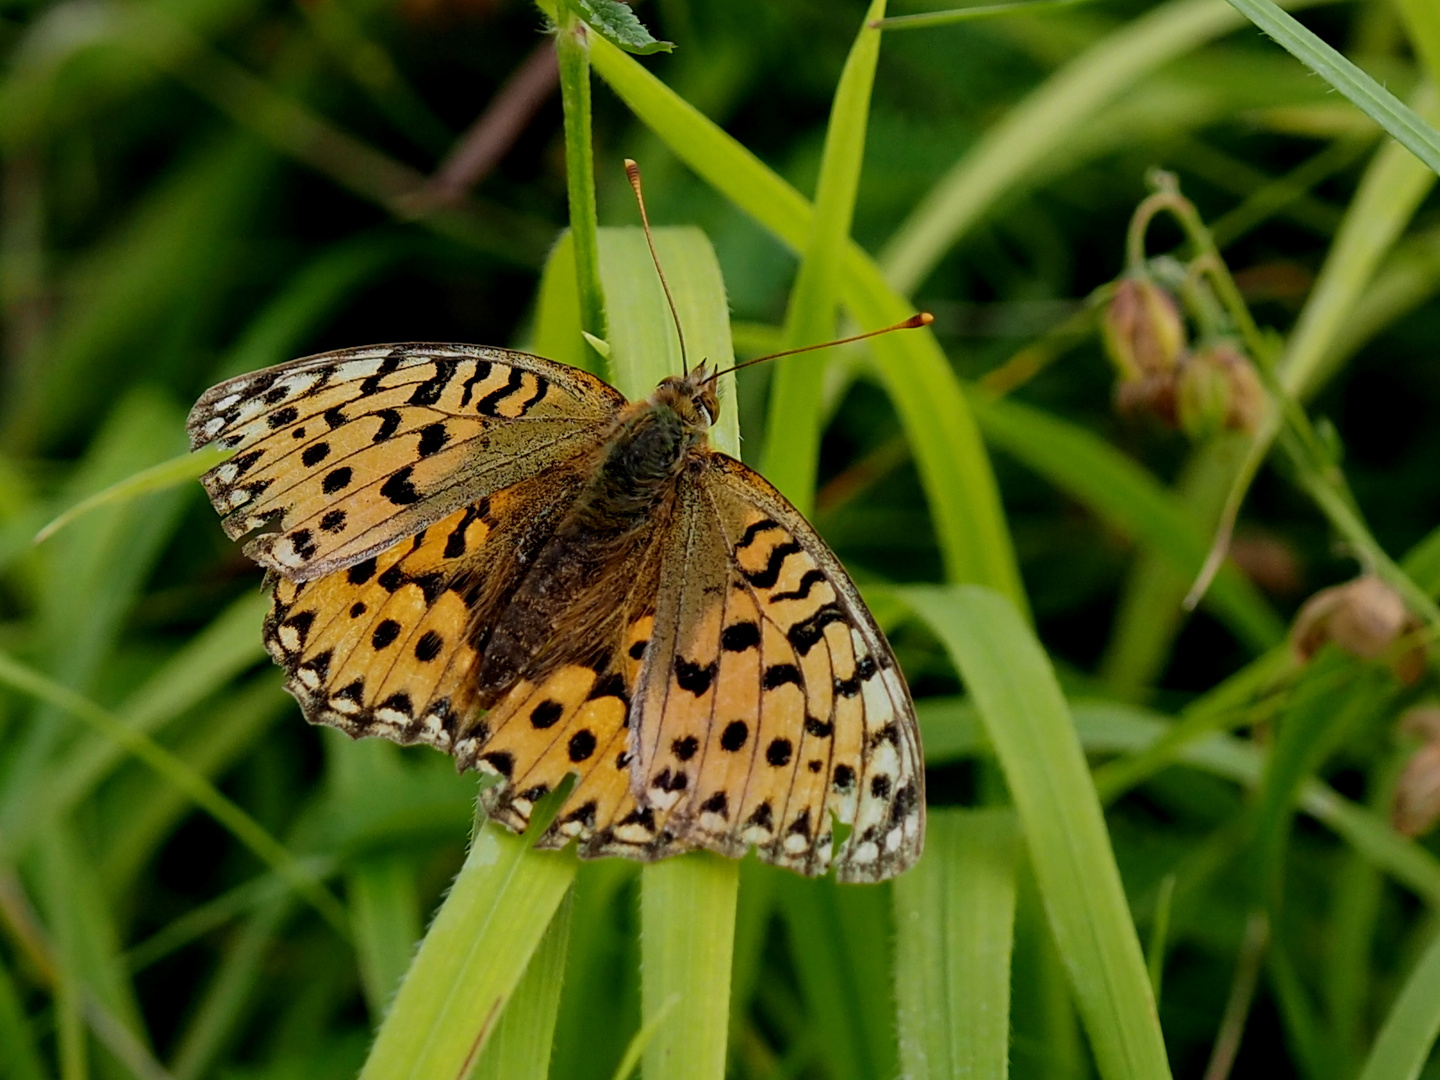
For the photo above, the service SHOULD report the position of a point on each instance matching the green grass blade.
(1029, 724)
(380, 887)
(954, 929)
(959, 484)
(1129, 499)
(643, 345)
(1392, 114)
(204, 794)
(1408, 1034)
(792, 433)
(167, 474)
(839, 941)
(520, 1047)
(1010, 151)
(952, 731)
(19, 1056)
(472, 958)
(931, 19)
(687, 936)
(1392, 188)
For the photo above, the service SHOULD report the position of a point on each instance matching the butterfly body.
(501, 557)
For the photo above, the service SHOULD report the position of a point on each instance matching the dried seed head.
(1364, 617)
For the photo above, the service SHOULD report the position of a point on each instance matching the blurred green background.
(194, 188)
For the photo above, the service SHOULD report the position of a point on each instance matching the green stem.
(573, 48)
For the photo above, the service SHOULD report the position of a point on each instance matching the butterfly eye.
(705, 412)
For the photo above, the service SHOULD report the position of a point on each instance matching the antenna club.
(924, 318)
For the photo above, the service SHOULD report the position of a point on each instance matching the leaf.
(618, 25)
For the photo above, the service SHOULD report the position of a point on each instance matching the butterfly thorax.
(650, 445)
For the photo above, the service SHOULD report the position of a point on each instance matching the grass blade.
(954, 927)
(472, 958)
(1403, 1045)
(520, 1047)
(1129, 499)
(687, 936)
(574, 62)
(959, 484)
(1392, 114)
(205, 795)
(167, 474)
(1029, 724)
(792, 433)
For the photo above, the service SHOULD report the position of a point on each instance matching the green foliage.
(193, 883)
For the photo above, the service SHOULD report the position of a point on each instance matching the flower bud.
(1365, 618)
(1217, 387)
(1143, 330)
(1416, 806)
(1202, 396)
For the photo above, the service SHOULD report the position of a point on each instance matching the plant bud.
(1202, 396)
(1416, 804)
(1218, 388)
(1248, 399)
(1143, 330)
(1415, 807)
(1364, 617)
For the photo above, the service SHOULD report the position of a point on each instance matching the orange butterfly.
(502, 557)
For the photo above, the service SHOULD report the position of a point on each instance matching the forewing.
(770, 704)
(341, 455)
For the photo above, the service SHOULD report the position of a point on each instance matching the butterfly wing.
(770, 702)
(342, 455)
(391, 645)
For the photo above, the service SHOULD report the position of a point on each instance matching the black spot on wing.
(489, 405)
(694, 677)
(748, 536)
(389, 424)
(767, 577)
(805, 635)
(429, 391)
(777, 675)
(398, 489)
(433, 438)
(740, 636)
(801, 591)
(336, 480)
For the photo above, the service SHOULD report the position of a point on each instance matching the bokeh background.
(194, 188)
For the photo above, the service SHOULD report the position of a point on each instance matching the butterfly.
(502, 557)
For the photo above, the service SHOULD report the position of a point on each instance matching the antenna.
(633, 172)
(923, 318)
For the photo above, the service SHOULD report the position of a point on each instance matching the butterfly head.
(693, 397)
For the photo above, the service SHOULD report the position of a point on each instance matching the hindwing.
(770, 706)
